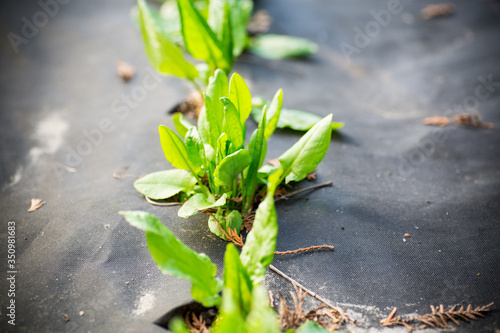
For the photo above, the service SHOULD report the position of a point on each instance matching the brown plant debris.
(439, 317)
(306, 249)
(66, 318)
(248, 222)
(196, 324)
(291, 194)
(289, 318)
(35, 204)
(117, 173)
(463, 119)
(437, 10)
(260, 22)
(125, 70)
(407, 235)
(191, 106)
(231, 234)
(311, 176)
(344, 318)
(437, 121)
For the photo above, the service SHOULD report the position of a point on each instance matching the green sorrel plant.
(243, 306)
(213, 32)
(216, 170)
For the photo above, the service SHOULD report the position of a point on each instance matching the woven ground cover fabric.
(380, 68)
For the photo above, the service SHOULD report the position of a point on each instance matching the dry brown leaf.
(311, 176)
(125, 70)
(437, 10)
(35, 204)
(437, 121)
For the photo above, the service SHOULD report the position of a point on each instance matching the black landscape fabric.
(67, 121)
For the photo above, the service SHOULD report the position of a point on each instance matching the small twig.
(344, 317)
(306, 249)
(288, 195)
(163, 203)
(123, 167)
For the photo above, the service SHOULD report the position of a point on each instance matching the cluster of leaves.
(211, 31)
(217, 171)
(243, 306)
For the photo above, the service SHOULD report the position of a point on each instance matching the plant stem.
(288, 195)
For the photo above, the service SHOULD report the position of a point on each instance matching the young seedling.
(243, 306)
(214, 33)
(216, 171)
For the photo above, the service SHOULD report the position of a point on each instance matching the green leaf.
(175, 258)
(163, 55)
(236, 296)
(217, 88)
(262, 317)
(199, 40)
(277, 47)
(164, 184)
(230, 167)
(273, 114)
(239, 94)
(200, 202)
(257, 148)
(311, 327)
(232, 125)
(222, 148)
(258, 252)
(181, 124)
(240, 13)
(305, 155)
(297, 120)
(194, 147)
(175, 150)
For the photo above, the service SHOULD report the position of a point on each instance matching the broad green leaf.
(305, 155)
(236, 279)
(262, 318)
(181, 124)
(217, 88)
(227, 37)
(163, 54)
(169, 20)
(233, 220)
(277, 47)
(175, 150)
(240, 13)
(200, 202)
(311, 327)
(230, 167)
(239, 94)
(222, 148)
(164, 184)
(258, 252)
(175, 258)
(236, 296)
(297, 120)
(273, 114)
(232, 124)
(208, 125)
(194, 147)
(199, 40)
(257, 148)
